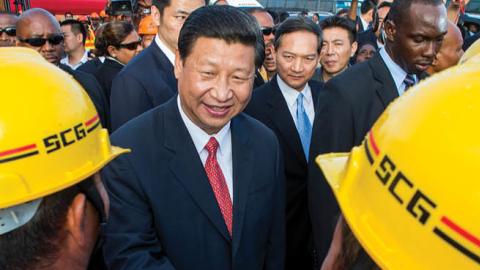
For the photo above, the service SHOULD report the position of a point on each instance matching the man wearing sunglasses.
(39, 30)
(7, 29)
(269, 68)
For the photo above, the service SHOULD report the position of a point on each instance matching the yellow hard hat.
(50, 134)
(147, 26)
(472, 51)
(411, 192)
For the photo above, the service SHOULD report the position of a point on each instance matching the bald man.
(7, 29)
(39, 30)
(450, 52)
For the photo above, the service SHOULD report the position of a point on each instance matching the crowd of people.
(217, 115)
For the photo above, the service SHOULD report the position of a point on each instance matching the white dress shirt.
(398, 74)
(170, 55)
(290, 95)
(224, 153)
(66, 61)
(364, 24)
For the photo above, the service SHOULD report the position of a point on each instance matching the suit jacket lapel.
(164, 65)
(187, 167)
(242, 175)
(386, 88)
(281, 117)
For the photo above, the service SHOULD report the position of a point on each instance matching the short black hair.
(283, 16)
(400, 8)
(37, 242)
(227, 23)
(162, 4)
(384, 4)
(340, 22)
(367, 5)
(77, 28)
(296, 24)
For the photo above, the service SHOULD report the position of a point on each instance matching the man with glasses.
(39, 30)
(269, 68)
(7, 29)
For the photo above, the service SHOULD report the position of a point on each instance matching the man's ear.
(390, 30)
(354, 48)
(178, 64)
(79, 37)
(76, 218)
(155, 15)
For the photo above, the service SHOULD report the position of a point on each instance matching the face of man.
(41, 26)
(297, 58)
(414, 43)
(336, 50)
(215, 82)
(451, 50)
(382, 13)
(365, 52)
(265, 21)
(7, 23)
(171, 21)
(72, 41)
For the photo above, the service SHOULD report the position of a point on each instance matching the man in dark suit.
(204, 185)
(375, 35)
(353, 100)
(39, 30)
(276, 104)
(148, 80)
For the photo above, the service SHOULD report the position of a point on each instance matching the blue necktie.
(409, 81)
(304, 127)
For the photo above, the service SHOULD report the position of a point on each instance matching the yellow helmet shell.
(411, 191)
(472, 51)
(50, 134)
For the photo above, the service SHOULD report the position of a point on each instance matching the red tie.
(218, 183)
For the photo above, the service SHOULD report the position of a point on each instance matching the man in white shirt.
(74, 34)
(286, 105)
(204, 186)
(148, 80)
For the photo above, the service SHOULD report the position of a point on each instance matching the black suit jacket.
(347, 108)
(145, 82)
(105, 74)
(94, 91)
(469, 41)
(269, 106)
(163, 212)
(258, 80)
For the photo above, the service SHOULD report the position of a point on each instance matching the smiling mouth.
(217, 111)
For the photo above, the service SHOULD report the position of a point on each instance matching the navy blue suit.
(164, 214)
(144, 83)
(269, 107)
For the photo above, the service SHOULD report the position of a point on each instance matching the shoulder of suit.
(256, 129)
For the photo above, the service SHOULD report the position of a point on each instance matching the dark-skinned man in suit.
(355, 99)
(148, 80)
(204, 185)
(284, 104)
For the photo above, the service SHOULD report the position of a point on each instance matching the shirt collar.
(170, 55)
(66, 61)
(397, 72)
(200, 138)
(364, 24)
(291, 94)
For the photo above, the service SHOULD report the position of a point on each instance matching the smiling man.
(354, 99)
(204, 185)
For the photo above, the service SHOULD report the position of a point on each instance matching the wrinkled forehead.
(425, 18)
(37, 26)
(7, 20)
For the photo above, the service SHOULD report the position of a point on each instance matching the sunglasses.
(39, 42)
(130, 46)
(268, 30)
(11, 31)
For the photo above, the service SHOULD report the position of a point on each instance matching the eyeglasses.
(39, 42)
(268, 30)
(11, 31)
(130, 46)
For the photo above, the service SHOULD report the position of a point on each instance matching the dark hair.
(162, 4)
(367, 5)
(342, 11)
(401, 8)
(296, 24)
(112, 33)
(384, 4)
(274, 14)
(37, 242)
(77, 28)
(283, 16)
(340, 22)
(221, 22)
